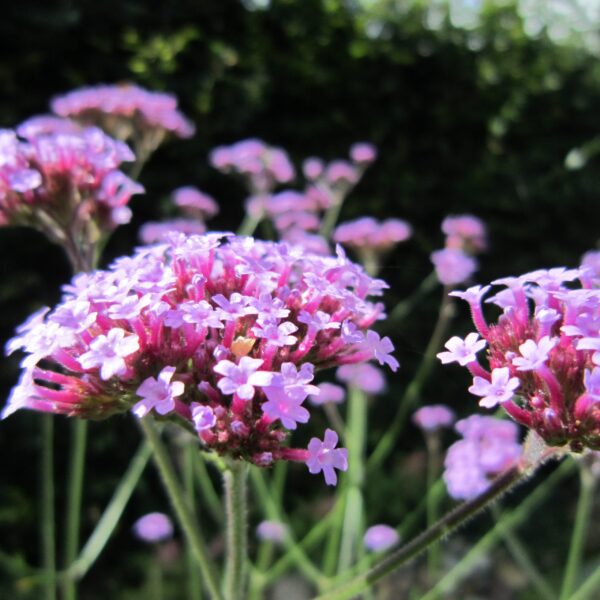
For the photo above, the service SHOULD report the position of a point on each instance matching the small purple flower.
(109, 351)
(320, 320)
(286, 393)
(158, 394)
(534, 355)
(203, 416)
(500, 389)
(241, 379)
(431, 418)
(381, 348)
(462, 351)
(324, 456)
(271, 531)
(278, 335)
(153, 527)
(381, 537)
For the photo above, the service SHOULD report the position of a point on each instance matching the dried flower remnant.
(67, 185)
(433, 417)
(379, 538)
(489, 446)
(223, 331)
(543, 354)
(127, 112)
(153, 527)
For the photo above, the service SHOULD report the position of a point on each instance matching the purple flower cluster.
(380, 537)
(543, 353)
(223, 331)
(194, 204)
(433, 417)
(153, 527)
(65, 183)
(489, 446)
(263, 166)
(125, 111)
(366, 234)
(465, 236)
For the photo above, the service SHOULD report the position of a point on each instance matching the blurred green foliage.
(476, 120)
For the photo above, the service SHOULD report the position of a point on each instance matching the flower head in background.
(65, 182)
(127, 112)
(433, 417)
(371, 239)
(365, 376)
(453, 266)
(543, 354)
(271, 531)
(379, 538)
(153, 527)
(489, 446)
(465, 232)
(223, 331)
(262, 166)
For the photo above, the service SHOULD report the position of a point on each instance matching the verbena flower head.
(489, 446)
(195, 203)
(125, 111)
(225, 332)
(271, 531)
(263, 166)
(453, 266)
(543, 354)
(368, 235)
(465, 232)
(66, 184)
(433, 417)
(365, 376)
(380, 537)
(153, 527)
(155, 231)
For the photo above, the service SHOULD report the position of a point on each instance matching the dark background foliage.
(475, 121)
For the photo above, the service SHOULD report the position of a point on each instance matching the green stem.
(523, 561)
(194, 587)
(443, 527)
(235, 478)
(331, 216)
(580, 528)
(249, 224)
(47, 508)
(273, 513)
(413, 391)
(353, 522)
(588, 587)
(210, 496)
(112, 513)
(74, 494)
(433, 467)
(508, 522)
(185, 517)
